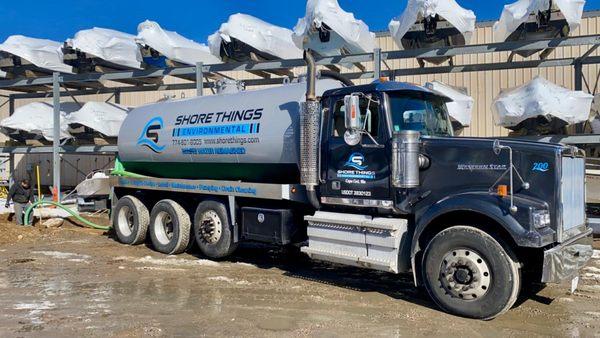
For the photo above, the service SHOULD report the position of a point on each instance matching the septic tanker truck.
(367, 175)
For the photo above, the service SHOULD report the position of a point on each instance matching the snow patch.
(36, 310)
(170, 261)
(158, 268)
(591, 276)
(596, 254)
(245, 264)
(242, 282)
(592, 269)
(221, 279)
(63, 255)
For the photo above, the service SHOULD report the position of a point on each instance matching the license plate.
(574, 284)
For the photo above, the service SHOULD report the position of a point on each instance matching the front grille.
(572, 193)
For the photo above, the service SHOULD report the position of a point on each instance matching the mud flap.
(357, 240)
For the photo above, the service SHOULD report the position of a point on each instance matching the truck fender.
(477, 202)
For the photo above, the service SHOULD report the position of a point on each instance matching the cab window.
(369, 117)
(427, 115)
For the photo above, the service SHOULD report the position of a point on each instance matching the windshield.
(427, 115)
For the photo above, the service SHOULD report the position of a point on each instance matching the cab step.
(357, 240)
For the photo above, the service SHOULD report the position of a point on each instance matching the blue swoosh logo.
(143, 140)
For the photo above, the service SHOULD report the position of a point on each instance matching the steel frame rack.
(87, 84)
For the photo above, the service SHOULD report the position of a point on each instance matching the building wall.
(483, 86)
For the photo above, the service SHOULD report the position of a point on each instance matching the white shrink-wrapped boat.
(34, 122)
(101, 117)
(541, 107)
(163, 48)
(329, 30)
(114, 47)
(433, 24)
(246, 38)
(461, 107)
(538, 19)
(20, 53)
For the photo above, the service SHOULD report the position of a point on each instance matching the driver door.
(360, 172)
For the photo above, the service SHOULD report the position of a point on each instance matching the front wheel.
(468, 273)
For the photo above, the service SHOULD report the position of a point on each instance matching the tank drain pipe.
(310, 126)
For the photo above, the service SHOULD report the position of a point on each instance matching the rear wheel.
(213, 230)
(170, 227)
(468, 273)
(130, 220)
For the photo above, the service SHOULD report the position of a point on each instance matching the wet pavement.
(79, 282)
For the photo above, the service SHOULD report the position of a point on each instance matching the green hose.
(71, 212)
(119, 170)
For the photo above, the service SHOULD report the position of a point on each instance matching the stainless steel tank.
(252, 136)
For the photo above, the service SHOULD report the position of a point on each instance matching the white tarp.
(461, 107)
(37, 118)
(46, 54)
(109, 45)
(462, 19)
(513, 15)
(541, 97)
(261, 35)
(174, 46)
(347, 32)
(103, 117)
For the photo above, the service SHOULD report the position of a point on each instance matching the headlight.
(540, 218)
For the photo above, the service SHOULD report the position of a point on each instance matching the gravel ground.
(79, 282)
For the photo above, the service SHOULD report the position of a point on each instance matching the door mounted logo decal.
(356, 161)
(150, 135)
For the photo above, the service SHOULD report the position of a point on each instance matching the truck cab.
(356, 162)
(472, 218)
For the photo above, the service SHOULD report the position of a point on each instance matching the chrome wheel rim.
(210, 227)
(163, 228)
(125, 221)
(465, 274)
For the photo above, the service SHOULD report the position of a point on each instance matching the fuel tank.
(251, 136)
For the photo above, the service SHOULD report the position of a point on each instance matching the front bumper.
(563, 262)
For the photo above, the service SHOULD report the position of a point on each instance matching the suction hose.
(71, 212)
(336, 76)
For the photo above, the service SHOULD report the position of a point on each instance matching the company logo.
(356, 161)
(149, 136)
(541, 167)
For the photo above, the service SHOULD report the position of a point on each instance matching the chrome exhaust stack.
(310, 126)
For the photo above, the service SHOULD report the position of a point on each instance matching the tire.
(170, 227)
(468, 273)
(130, 220)
(220, 244)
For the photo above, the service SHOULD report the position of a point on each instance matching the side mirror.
(352, 112)
(353, 123)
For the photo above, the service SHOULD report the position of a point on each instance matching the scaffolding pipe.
(56, 136)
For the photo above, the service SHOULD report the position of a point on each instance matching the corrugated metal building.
(482, 86)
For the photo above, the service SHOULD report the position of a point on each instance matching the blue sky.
(196, 19)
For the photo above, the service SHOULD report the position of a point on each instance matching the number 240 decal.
(541, 166)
